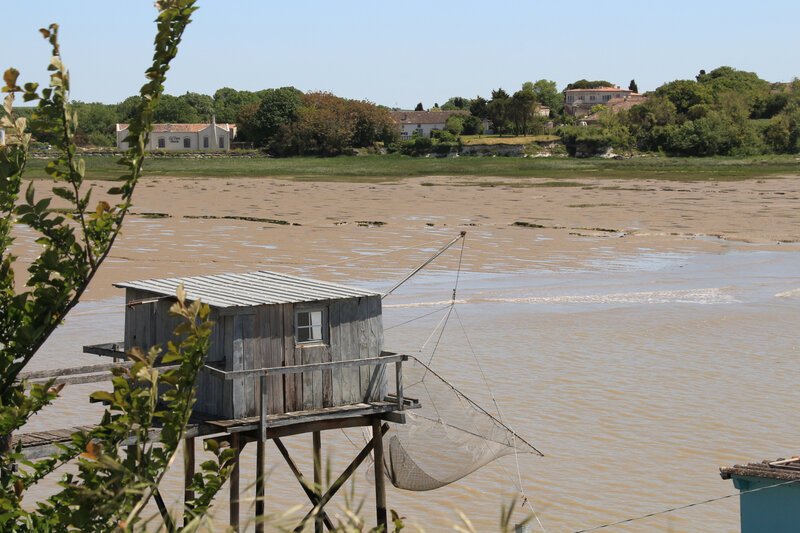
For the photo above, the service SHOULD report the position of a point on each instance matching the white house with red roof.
(210, 136)
(580, 101)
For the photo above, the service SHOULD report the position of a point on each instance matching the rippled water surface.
(638, 375)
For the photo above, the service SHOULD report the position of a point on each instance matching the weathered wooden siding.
(264, 337)
(356, 333)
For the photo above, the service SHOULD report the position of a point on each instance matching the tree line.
(722, 112)
(283, 121)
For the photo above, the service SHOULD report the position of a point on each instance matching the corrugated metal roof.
(249, 289)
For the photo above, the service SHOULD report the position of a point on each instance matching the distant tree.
(277, 107)
(586, 84)
(685, 94)
(454, 124)
(436, 106)
(95, 124)
(471, 125)
(497, 110)
(547, 94)
(419, 107)
(328, 125)
(228, 102)
(783, 132)
(202, 104)
(477, 107)
(633, 87)
(373, 123)
(521, 108)
(246, 124)
(173, 110)
(126, 109)
(456, 103)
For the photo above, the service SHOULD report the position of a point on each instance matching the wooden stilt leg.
(380, 479)
(234, 483)
(317, 477)
(260, 482)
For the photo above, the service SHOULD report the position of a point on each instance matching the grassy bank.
(380, 168)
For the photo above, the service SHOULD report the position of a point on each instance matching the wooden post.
(234, 483)
(380, 478)
(317, 444)
(398, 376)
(188, 469)
(260, 482)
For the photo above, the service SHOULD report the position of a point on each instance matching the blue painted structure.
(774, 510)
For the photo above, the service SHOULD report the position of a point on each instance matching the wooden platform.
(43, 443)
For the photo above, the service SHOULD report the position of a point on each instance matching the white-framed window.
(187, 143)
(311, 325)
(222, 142)
(162, 142)
(205, 142)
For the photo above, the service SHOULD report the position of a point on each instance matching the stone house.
(210, 136)
(579, 102)
(423, 122)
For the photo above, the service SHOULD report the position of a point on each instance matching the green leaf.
(29, 194)
(63, 192)
(171, 357)
(102, 396)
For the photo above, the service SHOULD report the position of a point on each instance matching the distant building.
(579, 102)
(422, 122)
(776, 509)
(210, 136)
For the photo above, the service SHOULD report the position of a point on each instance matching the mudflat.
(192, 226)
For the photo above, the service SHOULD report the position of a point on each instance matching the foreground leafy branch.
(109, 491)
(122, 461)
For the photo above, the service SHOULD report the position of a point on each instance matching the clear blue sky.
(401, 53)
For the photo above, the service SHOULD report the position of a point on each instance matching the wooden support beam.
(317, 445)
(380, 478)
(234, 483)
(260, 484)
(341, 480)
(307, 488)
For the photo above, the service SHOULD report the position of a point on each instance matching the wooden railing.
(263, 373)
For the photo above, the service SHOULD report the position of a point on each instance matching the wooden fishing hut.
(288, 355)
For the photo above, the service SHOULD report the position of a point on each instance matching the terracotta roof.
(783, 469)
(424, 117)
(182, 128)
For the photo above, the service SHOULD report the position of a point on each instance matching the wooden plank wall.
(210, 389)
(356, 332)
